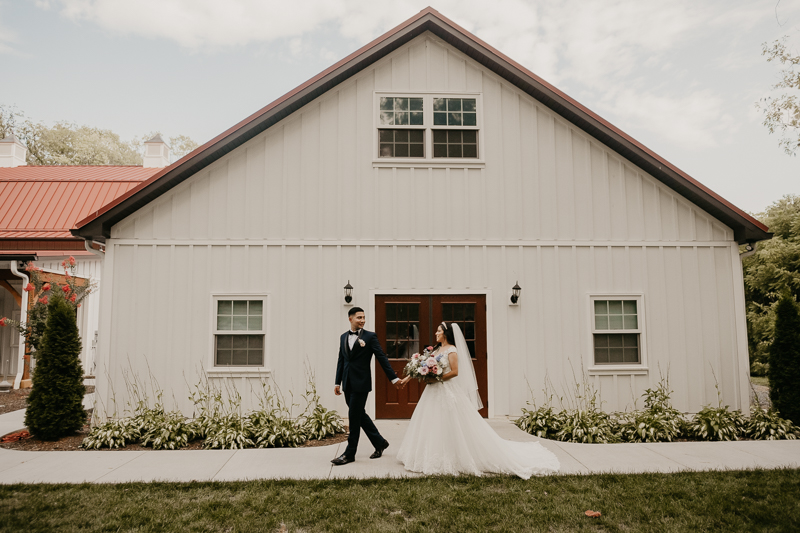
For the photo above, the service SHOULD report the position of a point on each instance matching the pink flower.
(46, 287)
(431, 362)
(73, 297)
(71, 261)
(435, 370)
(30, 267)
(3, 321)
(43, 300)
(423, 370)
(64, 264)
(429, 348)
(65, 288)
(415, 356)
(79, 305)
(29, 287)
(67, 275)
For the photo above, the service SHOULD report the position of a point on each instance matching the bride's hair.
(448, 333)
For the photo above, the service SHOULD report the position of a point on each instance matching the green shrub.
(55, 405)
(716, 423)
(230, 432)
(161, 430)
(768, 425)
(658, 422)
(542, 421)
(318, 422)
(784, 360)
(112, 434)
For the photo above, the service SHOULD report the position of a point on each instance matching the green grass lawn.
(760, 380)
(766, 500)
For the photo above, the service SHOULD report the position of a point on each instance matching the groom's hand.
(337, 391)
(398, 384)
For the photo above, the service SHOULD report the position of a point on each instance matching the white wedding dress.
(447, 435)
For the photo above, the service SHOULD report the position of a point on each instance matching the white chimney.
(156, 153)
(12, 152)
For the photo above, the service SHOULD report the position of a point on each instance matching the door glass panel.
(402, 330)
(462, 314)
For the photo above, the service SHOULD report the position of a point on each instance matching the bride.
(447, 435)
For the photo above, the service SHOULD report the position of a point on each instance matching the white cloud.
(600, 47)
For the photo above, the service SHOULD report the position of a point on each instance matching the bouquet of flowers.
(425, 367)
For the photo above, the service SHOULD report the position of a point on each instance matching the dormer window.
(428, 126)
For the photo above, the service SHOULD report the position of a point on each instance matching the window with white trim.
(617, 331)
(420, 127)
(239, 331)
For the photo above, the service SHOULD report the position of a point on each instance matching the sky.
(682, 77)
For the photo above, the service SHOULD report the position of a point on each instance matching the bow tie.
(353, 332)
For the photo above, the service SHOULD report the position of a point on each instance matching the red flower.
(71, 261)
(73, 297)
(43, 300)
(67, 275)
(30, 267)
(65, 288)
(64, 264)
(46, 287)
(79, 305)
(29, 287)
(3, 321)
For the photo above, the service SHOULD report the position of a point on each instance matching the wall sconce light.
(348, 292)
(515, 290)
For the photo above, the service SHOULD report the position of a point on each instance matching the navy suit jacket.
(353, 372)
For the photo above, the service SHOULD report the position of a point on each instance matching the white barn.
(432, 174)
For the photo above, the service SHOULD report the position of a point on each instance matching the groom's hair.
(354, 310)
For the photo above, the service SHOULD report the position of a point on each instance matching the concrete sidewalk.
(314, 463)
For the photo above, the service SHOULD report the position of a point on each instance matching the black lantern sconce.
(348, 293)
(515, 290)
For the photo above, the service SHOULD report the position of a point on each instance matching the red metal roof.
(45, 202)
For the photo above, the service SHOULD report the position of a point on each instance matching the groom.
(354, 376)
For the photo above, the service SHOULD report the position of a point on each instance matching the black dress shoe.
(379, 451)
(342, 460)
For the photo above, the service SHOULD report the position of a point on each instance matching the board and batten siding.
(304, 207)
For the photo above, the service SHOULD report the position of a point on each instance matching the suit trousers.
(359, 419)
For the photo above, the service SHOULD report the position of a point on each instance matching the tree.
(782, 114)
(55, 404)
(784, 360)
(179, 145)
(67, 143)
(773, 269)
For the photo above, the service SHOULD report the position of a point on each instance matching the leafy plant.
(768, 425)
(114, 433)
(542, 421)
(318, 421)
(163, 430)
(658, 422)
(230, 432)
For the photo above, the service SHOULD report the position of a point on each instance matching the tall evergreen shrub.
(784, 360)
(55, 405)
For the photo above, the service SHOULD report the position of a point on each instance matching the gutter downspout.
(88, 245)
(23, 317)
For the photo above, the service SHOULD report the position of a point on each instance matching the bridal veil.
(466, 379)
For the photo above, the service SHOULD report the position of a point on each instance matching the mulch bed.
(21, 440)
(14, 400)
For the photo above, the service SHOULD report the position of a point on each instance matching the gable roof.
(45, 202)
(97, 226)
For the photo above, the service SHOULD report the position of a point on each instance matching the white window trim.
(618, 368)
(427, 127)
(238, 371)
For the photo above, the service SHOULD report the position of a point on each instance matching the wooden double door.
(407, 324)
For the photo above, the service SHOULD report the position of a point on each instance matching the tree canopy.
(782, 113)
(66, 143)
(771, 271)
